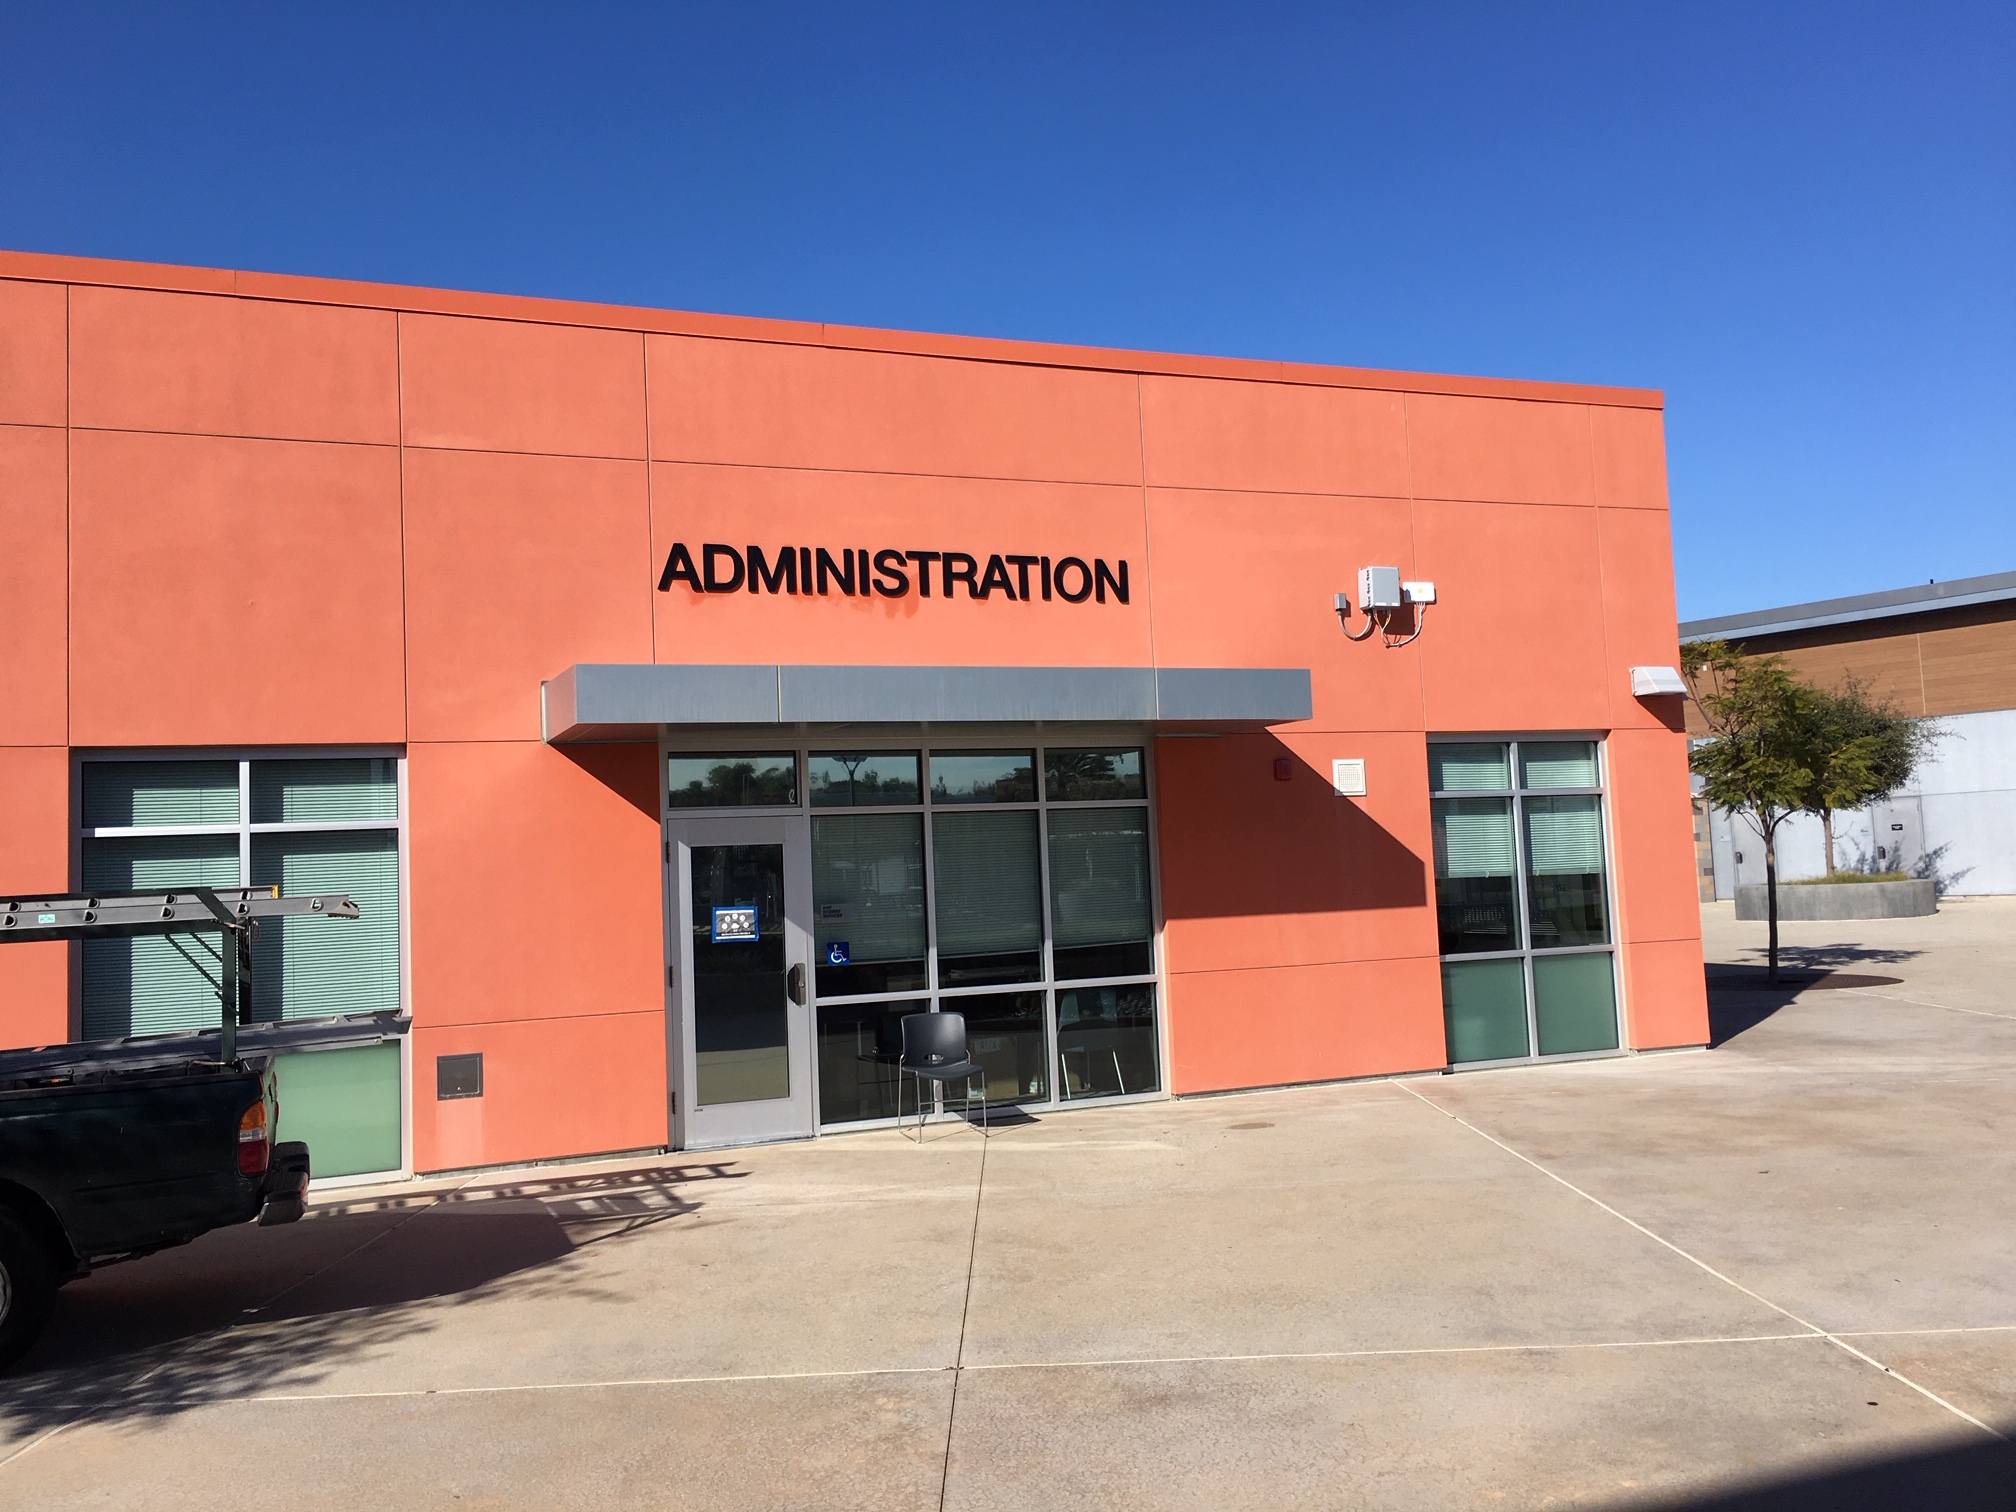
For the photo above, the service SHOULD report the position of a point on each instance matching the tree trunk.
(1771, 899)
(1827, 829)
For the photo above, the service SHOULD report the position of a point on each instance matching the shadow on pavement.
(1741, 995)
(251, 1312)
(1973, 1477)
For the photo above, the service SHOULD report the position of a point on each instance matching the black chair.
(934, 1050)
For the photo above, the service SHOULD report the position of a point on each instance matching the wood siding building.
(1945, 651)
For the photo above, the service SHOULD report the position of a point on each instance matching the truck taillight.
(253, 1148)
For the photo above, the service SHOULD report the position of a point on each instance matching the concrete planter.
(1842, 900)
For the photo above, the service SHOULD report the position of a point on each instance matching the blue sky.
(1797, 220)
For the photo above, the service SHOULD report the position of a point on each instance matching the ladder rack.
(235, 911)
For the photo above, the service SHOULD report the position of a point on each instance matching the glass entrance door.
(741, 980)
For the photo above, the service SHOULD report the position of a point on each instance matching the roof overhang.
(609, 702)
(1960, 593)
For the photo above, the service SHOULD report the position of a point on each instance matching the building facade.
(1944, 652)
(685, 699)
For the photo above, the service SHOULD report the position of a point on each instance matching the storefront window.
(1004, 1033)
(306, 825)
(1100, 911)
(859, 1044)
(733, 780)
(1014, 886)
(983, 777)
(868, 903)
(857, 779)
(990, 897)
(1522, 899)
(1564, 865)
(1089, 776)
(1106, 1041)
(1476, 871)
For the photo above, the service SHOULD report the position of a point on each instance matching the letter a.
(679, 569)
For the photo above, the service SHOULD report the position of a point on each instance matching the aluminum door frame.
(696, 1127)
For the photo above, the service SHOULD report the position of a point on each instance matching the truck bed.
(189, 1053)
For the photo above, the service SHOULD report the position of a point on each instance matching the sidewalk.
(1621, 1283)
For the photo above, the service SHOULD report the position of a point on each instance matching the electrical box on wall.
(1378, 588)
(1347, 776)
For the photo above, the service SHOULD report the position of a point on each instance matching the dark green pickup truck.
(114, 1149)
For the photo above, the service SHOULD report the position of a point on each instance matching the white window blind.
(1564, 836)
(1480, 766)
(1099, 876)
(1557, 763)
(155, 984)
(324, 789)
(1473, 837)
(989, 883)
(868, 885)
(123, 794)
(304, 968)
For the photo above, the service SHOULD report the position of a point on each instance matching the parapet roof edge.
(1990, 588)
(51, 267)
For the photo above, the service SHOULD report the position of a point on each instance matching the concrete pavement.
(1642, 1282)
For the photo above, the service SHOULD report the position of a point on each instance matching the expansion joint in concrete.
(1814, 1329)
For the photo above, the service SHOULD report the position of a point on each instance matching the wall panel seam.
(1322, 965)
(423, 1025)
(229, 435)
(884, 472)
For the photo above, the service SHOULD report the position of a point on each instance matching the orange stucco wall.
(392, 512)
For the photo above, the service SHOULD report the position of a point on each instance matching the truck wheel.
(27, 1288)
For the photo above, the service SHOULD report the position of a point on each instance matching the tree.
(1752, 763)
(1858, 749)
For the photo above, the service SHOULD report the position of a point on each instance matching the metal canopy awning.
(629, 702)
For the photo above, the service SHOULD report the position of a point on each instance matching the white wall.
(1966, 790)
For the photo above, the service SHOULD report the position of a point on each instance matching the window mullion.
(244, 823)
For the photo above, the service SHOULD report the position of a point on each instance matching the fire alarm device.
(1347, 776)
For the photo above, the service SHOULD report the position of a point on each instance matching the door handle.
(794, 984)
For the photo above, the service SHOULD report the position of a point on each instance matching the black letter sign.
(679, 569)
(709, 555)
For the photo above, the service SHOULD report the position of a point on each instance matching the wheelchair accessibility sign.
(735, 925)
(836, 953)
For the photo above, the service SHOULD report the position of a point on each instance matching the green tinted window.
(1484, 1009)
(345, 1104)
(1575, 1003)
